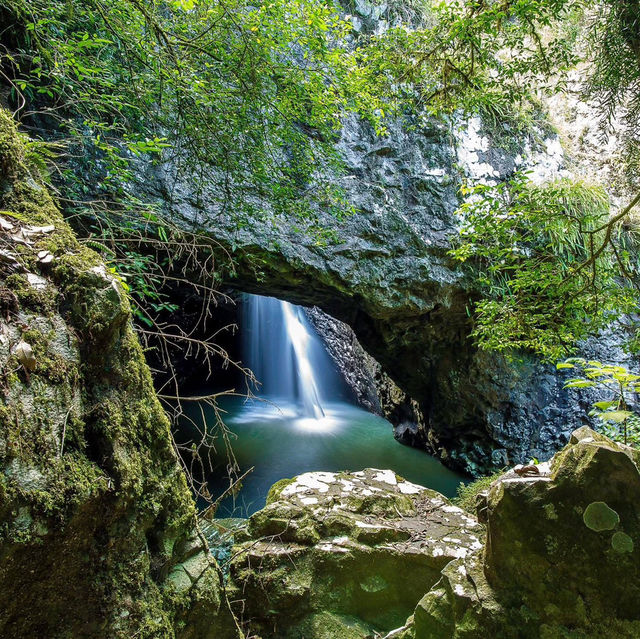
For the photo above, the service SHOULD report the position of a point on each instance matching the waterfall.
(287, 356)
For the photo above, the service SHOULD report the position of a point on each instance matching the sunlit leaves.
(478, 56)
(234, 88)
(615, 414)
(533, 252)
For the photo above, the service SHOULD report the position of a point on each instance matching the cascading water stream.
(287, 357)
(300, 340)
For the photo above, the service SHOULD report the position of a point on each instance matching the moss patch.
(467, 494)
(95, 512)
(621, 542)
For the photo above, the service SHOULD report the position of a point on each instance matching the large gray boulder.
(561, 558)
(345, 554)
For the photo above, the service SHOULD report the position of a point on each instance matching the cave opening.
(310, 403)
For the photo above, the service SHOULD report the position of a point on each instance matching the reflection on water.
(278, 442)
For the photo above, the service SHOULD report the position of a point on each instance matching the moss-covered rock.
(561, 558)
(96, 519)
(549, 540)
(345, 554)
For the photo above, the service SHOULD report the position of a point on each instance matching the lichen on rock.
(358, 549)
(549, 577)
(598, 516)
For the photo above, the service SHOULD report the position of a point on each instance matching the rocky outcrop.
(553, 554)
(561, 556)
(344, 554)
(372, 388)
(385, 272)
(97, 535)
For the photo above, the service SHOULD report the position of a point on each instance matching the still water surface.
(278, 443)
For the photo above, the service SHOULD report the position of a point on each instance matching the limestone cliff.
(97, 534)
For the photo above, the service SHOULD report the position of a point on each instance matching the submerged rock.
(345, 554)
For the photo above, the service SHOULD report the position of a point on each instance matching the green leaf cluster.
(245, 97)
(545, 276)
(618, 420)
(478, 56)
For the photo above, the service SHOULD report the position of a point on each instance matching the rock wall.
(386, 274)
(385, 271)
(372, 388)
(97, 535)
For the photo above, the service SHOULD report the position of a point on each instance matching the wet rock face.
(561, 556)
(357, 368)
(384, 271)
(345, 553)
(372, 388)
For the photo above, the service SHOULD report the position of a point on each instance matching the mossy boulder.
(461, 604)
(345, 554)
(97, 533)
(553, 542)
(561, 558)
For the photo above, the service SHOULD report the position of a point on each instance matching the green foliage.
(619, 422)
(478, 56)
(535, 252)
(553, 265)
(251, 94)
(467, 493)
(614, 39)
(247, 96)
(246, 99)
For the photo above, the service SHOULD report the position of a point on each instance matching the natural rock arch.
(387, 274)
